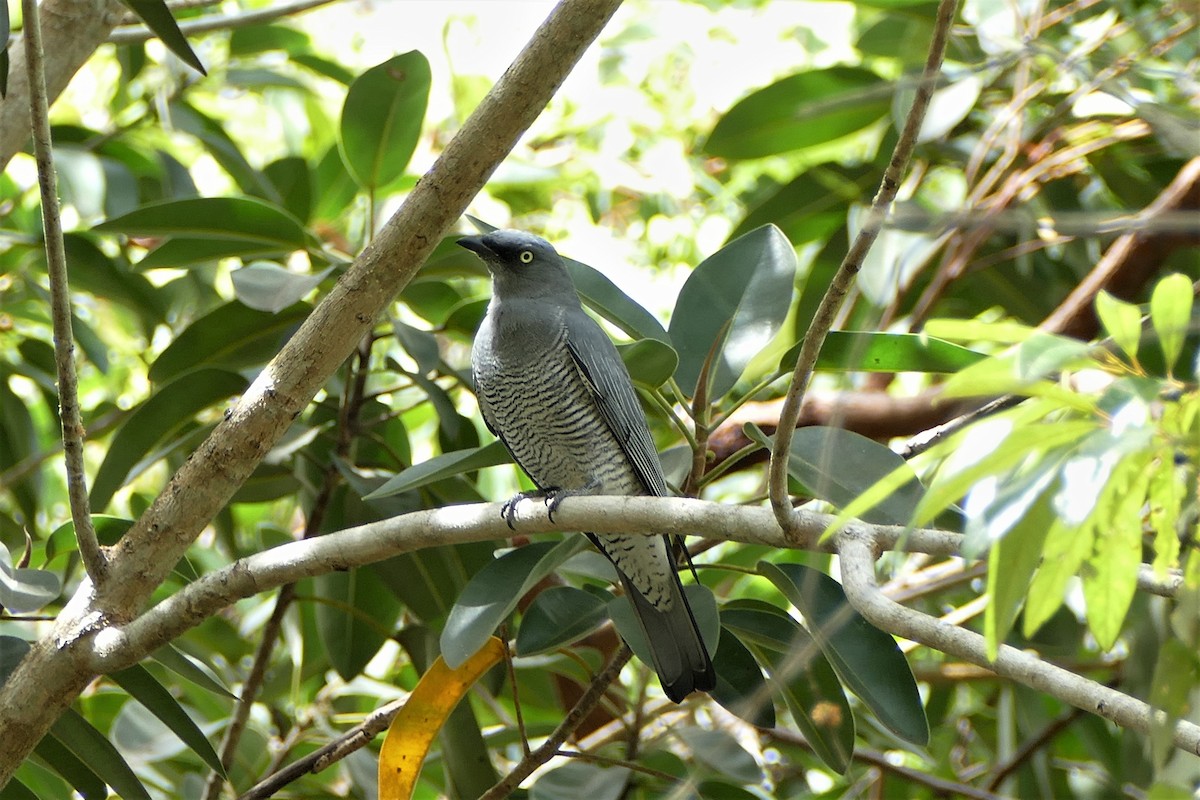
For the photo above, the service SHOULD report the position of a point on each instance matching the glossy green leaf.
(720, 751)
(866, 659)
(802, 110)
(93, 271)
(355, 615)
(186, 251)
(799, 673)
(158, 18)
(494, 591)
(704, 609)
(1122, 321)
(231, 336)
(263, 38)
(602, 296)
(1170, 312)
(165, 413)
(813, 205)
(159, 701)
(250, 220)
(265, 286)
(441, 467)
(24, 590)
(741, 688)
(840, 466)
(865, 351)
(73, 769)
(191, 669)
(731, 306)
(18, 441)
(382, 116)
(558, 617)
(91, 747)
(651, 363)
(293, 179)
(421, 346)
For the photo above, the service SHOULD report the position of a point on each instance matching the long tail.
(680, 658)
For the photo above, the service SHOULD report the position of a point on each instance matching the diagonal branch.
(843, 279)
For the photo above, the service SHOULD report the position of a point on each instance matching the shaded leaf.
(24, 590)
(719, 750)
(355, 617)
(557, 617)
(579, 779)
(650, 362)
(441, 467)
(741, 687)
(247, 219)
(156, 699)
(190, 669)
(381, 118)
(732, 305)
(92, 748)
(265, 286)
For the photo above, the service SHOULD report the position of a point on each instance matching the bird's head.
(522, 265)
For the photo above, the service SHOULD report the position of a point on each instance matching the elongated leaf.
(253, 221)
(803, 110)
(865, 351)
(18, 441)
(191, 669)
(14, 789)
(732, 305)
(443, 466)
(72, 768)
(840, 466)
(580, 779)
(355, 617)
(1064, 550)
(865, 658)
(265, 286)
(168, 410)
(557, 617)
(801, 674)
(741, 687)
(90, 745)
(146, 689)
(382, 116)
(1012, 561)
(813, 205)
(650, 362)
(1122, 320)
(494, 591)
(231, 336)
(158, 18)
(187, 251)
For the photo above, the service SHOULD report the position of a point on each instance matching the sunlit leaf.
(444, 466)
(1122, 321)
(382, 116)
(1170, 311)
(866, 351)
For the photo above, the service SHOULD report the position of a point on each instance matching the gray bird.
(553, 388)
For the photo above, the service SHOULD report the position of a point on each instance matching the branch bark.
(58, 667)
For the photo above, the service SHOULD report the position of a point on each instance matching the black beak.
(475, 245)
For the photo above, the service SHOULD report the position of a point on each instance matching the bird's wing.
(608, 381)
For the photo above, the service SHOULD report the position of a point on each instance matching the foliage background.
(1059, 119)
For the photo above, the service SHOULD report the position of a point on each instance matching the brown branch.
(839, 287)
(53, 673)
(1132, 260)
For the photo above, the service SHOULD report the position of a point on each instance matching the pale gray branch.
(857, 550)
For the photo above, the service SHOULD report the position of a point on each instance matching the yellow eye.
(526, 256)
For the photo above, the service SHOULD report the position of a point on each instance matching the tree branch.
(839, 287)
(135, 34)
(57, 668)
(857, 551)
(94, 559)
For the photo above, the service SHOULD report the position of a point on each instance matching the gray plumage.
(552, 387)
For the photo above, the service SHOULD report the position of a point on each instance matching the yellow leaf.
(412, 730)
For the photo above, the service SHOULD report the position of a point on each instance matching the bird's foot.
(508, 511)
(555, 496)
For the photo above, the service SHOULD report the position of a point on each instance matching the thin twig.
(95, 561)
(354, 739)
(140, 33)
(1032, 746)
(575, 716)
(839, 287)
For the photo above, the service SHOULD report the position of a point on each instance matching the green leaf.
(91, 747)
(720, 751)
(263, 38)
(1175, 677)
(1170, 313)
(231, 336)
(254, 222)
(813, 205)
(1065, 548)
(841, 466)
(1122, 320)
(166, 412)
(581, 779)
(803, 110)
(355, 616)
(14, 789)
(93, 271)
(382, 116)
(1018, 368)
(72, 768)
(558, 617)
(602, 296)
(440, 467)
(741, 688)
(23, 590)
(865, 658)
(863, 351)
(146, 689)
(191, 669)
(704, 609)
(801, 674)
(222, 148)
(731, 306)
(18, 441)
(294, 181)
(265, 286)
(651, 363)
(493, 592)
(158, 18)
(1012, 562)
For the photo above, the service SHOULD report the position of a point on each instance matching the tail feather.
(676, 647)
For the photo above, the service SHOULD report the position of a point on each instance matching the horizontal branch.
(118, 647)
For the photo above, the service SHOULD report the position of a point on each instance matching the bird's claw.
(508, 511)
